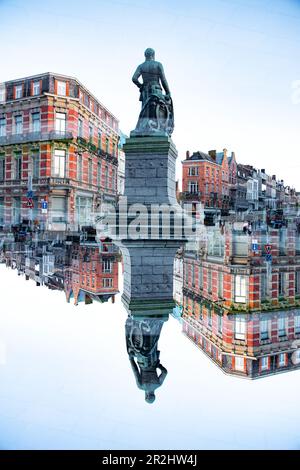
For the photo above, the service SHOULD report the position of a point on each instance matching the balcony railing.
(35, 137)
(187, 195)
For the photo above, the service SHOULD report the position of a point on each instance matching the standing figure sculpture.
(157, 115)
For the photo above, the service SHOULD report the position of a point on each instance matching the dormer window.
(61, 88)
(36, 88)
(18, 91)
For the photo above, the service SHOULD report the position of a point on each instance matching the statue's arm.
(163, 374)
(164, 80)
(135, 77)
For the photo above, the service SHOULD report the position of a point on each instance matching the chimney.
(187, 154)
(225, 152)
(213, 154)
(233, 155)
(263, 170)
(273, 177)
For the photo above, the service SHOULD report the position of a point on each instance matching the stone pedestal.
(148, 263)
(150, 170)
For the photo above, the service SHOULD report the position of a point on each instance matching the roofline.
(59, 75)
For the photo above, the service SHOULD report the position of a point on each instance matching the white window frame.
(60, 122)
(239, 363)
(281, 359)
(240, 290)
(36, 88)
(264, 363)
(3, 126)
(59, 163)
(61, 88)
(18, 125)
(2, 93)
(36, 127)
(107, 282)
(107, 265)
(19, 92)
(240, 328)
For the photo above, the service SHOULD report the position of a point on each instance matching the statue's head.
(149, 53)
(149, 397)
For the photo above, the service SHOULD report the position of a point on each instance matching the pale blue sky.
(231, 65)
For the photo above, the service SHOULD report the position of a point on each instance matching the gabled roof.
(200, 156)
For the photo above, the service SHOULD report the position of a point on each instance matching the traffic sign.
(269, 258)
(30, 203)
(44, 205)
(268, 249)
(254, 245)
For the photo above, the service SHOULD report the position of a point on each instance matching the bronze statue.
(142, 336)
(157, 115)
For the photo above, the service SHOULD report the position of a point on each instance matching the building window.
(36, 122)
(193, 171)
(99, 169)
(60, 123)
(192, 275)
(91, 131)
(264, 363)
(107, 282)
(193, 187)
(18, 166)
(80, 127)
(36, 88)
(90, 171)
(297, 282)
(281, 360)
(59, 167)
(84, 207)
(106, 178)
(1, 210)
(281, 327)
(58, 208)
(220, 284)
(2, 127)
(282, 241)
(79, 167)
(18, 124)
(239, 363)
(200, 277)
(16, 210)
(107, 145)
(2, 167)
(35, 158)
(220, 324)
(264, 329)
(297, 323)
(209, 281)
(107, 266)
(263, 286)
(2, 93)
(61, 88)
(18, 91)
(240, 289)
(99, 139)
(281, 284)
(240, 328)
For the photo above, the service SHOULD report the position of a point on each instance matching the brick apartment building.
(236, 286)
(246, 345)
(86, 270)
(231, 268)
(92, 273)
(58, 152)
(205, 179)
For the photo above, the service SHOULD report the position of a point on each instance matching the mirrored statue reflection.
(157, 115)
(142, 336)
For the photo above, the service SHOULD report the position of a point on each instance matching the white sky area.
(66, 383)
(232, 66)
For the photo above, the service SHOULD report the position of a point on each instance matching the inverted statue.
(157, 115)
